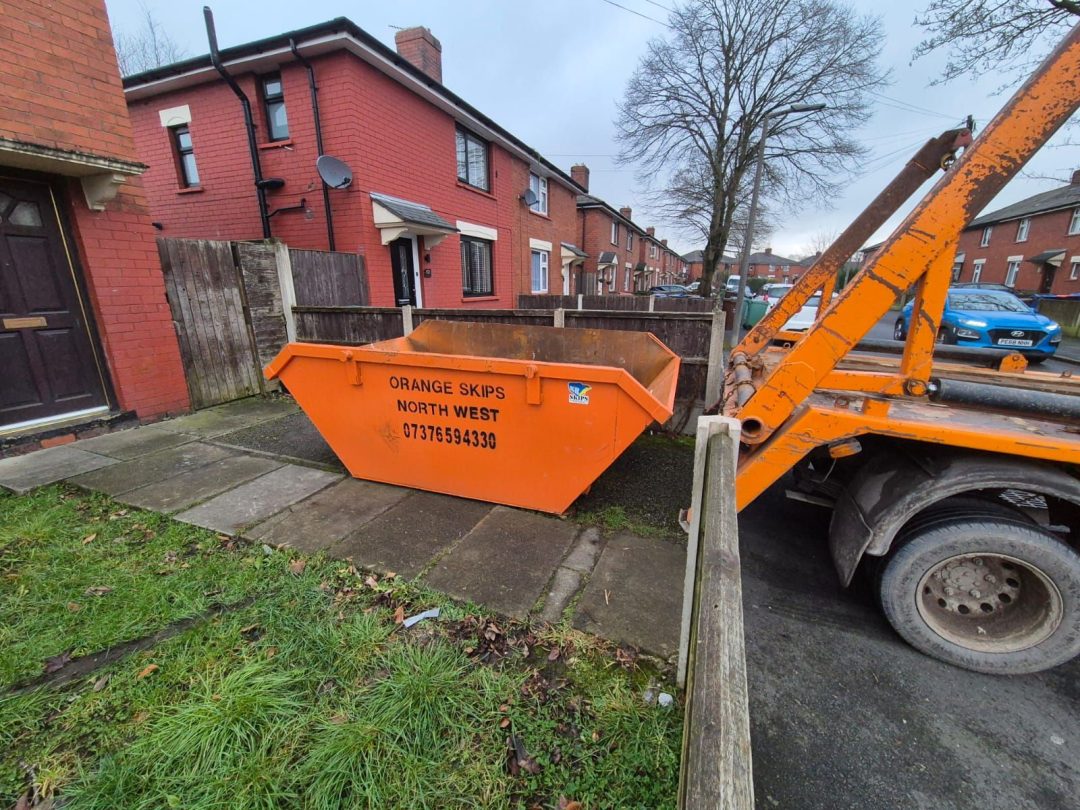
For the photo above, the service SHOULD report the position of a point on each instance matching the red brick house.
(1032, 245)
(772, 266)
(447, 207)
(85, 330)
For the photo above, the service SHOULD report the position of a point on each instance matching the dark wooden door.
(48, 362)
(401, 260)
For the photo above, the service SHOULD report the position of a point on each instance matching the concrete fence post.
(558, 318)
(580, 298)
(406, 320)
(652, 303)
(288, 291)
(714, 377)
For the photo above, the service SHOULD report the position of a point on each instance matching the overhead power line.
(637, 13)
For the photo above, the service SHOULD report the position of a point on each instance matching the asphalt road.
(844, 714)
(884, 331)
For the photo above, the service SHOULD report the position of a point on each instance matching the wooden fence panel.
(204, 291)
(325, 279)
(352, 326)
(686, 334)
(257, 262)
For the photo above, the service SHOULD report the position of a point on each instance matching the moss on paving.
(306, 693)
(643, 491)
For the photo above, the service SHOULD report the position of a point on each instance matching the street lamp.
(748, 237)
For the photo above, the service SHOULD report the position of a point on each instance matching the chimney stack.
(768, 251)
(579, 173)
(651, 231)
(1076, 178)
(625, 211)
(663, 242)
(419, 46)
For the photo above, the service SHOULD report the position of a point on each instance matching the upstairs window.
(1074, 223)
(1074, 270)
(1022, 231)
(277, 123)
(476, 275)
(614, 232)
(472, 160)
(989, 229)
(629, 239)
(539, 186)
(185, 157)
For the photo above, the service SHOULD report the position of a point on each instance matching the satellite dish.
(335, 173)
(529, 197)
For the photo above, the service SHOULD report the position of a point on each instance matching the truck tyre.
(986, 592)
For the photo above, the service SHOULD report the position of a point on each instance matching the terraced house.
(447, 207)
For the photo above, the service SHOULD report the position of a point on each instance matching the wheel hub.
(989, 602)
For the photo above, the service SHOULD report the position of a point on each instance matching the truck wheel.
(984, 592)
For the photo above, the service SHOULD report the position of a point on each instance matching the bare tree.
(146, 47)
(988, 35)
(821, 241)
(692, 111)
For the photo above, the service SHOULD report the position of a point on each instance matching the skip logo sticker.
(579, 393)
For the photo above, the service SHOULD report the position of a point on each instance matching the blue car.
(991, 319)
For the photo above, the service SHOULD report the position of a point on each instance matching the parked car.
(805, 317)
(669, 291)
(772, 293)
(991, 319)
(731, 286)
(692, 287)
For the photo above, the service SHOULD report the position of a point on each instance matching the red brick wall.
(62, 90)
(395, 142)
(595, 225)
(61, 85)
(1047, 232)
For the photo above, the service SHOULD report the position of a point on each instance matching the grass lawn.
(276, 680)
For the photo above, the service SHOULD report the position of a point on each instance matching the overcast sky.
(551, 72)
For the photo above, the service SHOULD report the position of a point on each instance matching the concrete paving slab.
(506, 561)
(568, 578)
(129, 475)
(635, 594)
(132, 443)
(316, 523)
(258, 499)
(292, 435)
(23, 473)
(188, 488)
(405, 538)
(229, 417)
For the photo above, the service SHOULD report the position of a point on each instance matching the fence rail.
(633, 303)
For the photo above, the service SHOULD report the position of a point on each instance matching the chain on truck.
(951, 475)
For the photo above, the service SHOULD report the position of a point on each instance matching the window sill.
(472, 298)
(540, 214)
(192, 190)
(476, 190)
(288, 142)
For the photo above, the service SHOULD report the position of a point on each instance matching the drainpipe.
(314, 89)
(249, 124)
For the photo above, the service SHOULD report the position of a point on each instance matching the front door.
(401, 259)
(1047, 282)
(48, 362)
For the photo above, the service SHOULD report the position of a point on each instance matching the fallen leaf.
(399, 614)
(339, 719)
(596, 736)
(297, 566)
(24, 802)
(98, 590)
(89, 539)
(57, 662)
(170, 557)
(568, 804)
(504, 722)
(390, 575)
(140, 717)
(74, 607)
(99, 684)
(149, 669)
(505, 707)
(371, 582)
(554, 654)
(271, 652)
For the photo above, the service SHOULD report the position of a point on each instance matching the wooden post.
(288, 291)
(714, 378)
(406, 320)
(716, 761)
(559, 317)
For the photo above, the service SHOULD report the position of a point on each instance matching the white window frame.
(629, 239)
(976, 270)
(543, 266)
(626, 280)
(1074, 268)
(539, 186)
(1023, 227)
(629, 283)
(1074, 223)
(614, 231)
(1012, 270)
(987, 232)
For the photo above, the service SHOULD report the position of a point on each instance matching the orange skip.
(527, 416)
